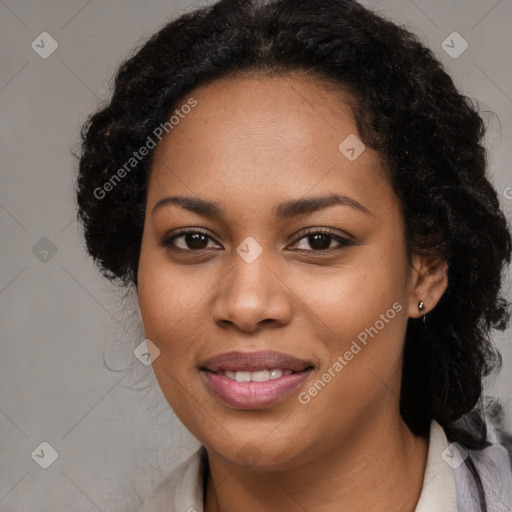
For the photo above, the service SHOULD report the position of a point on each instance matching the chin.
(257, 452)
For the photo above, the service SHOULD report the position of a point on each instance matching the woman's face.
(257, 168)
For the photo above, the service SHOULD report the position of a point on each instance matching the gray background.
(67, 373)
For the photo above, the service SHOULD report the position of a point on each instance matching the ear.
(429, 281)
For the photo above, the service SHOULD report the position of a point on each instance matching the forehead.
(258, 111)
(262, 136)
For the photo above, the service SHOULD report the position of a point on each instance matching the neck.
(378, 468)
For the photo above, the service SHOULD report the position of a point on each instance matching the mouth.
(254, 380)
(256, 376)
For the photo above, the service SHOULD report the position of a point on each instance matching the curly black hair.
(407, 108)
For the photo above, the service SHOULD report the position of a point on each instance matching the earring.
(422, 307)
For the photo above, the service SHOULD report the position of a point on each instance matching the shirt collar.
(438, 492)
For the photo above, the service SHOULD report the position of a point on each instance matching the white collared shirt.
(447, 484)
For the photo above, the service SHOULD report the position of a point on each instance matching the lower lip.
(254, 395)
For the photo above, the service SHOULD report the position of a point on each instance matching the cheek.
(361, 349)
(365, 308)
(170, 304)
(168, 295)
(170, 308)
(351, 297)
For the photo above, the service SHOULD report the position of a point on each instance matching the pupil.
(316, 241)
(196, 240)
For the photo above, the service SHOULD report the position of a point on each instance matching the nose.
(251, 296)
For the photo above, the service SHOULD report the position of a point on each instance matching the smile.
(254, 390)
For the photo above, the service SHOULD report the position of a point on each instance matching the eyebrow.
(282, 211)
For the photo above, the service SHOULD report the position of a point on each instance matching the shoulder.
(449, 483)
(494, 467)
(181, 490)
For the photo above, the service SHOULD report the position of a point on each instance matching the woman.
(298, 193)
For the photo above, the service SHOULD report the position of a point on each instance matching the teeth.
(276, 374)
(243, 376)
(260, 376)
(257, 376)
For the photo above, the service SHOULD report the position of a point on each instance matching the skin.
(250, 144)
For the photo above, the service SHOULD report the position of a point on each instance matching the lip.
(254, 395)
(254, 361)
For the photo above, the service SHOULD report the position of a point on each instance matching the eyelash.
(167, 241)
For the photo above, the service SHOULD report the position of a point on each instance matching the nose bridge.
(251, 291)
(250, 274)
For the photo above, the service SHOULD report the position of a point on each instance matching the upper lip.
(254, 361)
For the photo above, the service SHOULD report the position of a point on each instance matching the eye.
(193, 240)
(320, 240)
(190, 240)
